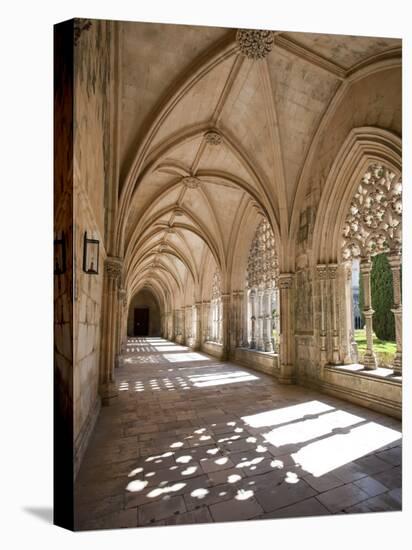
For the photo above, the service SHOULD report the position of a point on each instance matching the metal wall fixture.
(90, 255)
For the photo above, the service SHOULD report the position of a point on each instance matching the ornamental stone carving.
(216, 286)
(285, 281)
(262, 267)
(322, 271)
(213, 137)
(113, 267)
(191, 182)
(374, 221)
(255, 44)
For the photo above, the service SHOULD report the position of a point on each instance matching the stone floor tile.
(235, 510)
(209, 495)
(304, 508)
(342, 497)
(323, 483)
(392, 478)
(161, 509)
(282, 495)
(371, 486)
(201, 515)
(372, 464)
(381, 503)
(116, 520)
(214, 464)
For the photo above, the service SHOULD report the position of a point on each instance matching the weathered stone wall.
(91, 121)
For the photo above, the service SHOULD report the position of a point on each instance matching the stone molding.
(285, 280)
(255, 44)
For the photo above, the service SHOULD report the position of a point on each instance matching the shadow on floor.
(42, 513)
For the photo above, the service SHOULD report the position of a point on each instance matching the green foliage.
(382, 298)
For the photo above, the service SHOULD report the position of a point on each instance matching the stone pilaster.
(395, 264)
(322, 309)
(334, 313)
(268, 320)
(261, 324)
(225, 335)
(112, 275)
(286, 375)
(252, 300)
(365, 269)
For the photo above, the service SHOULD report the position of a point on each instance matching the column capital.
(113, 267)
(322, 271)
(286, 280)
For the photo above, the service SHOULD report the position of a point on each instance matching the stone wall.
(91, 121)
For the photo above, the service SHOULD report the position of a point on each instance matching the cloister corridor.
(194, 440)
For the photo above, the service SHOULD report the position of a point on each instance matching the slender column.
(121, 313)
(268, 320)
(365, 269)
(286, 375)
(350, 350)
(276, 321)
(196, 325)
(261, 342)
(322, 274)
(332, 271)
(395, 263)
(241, 317)
(252, 299)
(220, 328)
(225, 336)
(112, 273)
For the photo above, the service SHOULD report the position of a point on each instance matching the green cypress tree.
(382, 298)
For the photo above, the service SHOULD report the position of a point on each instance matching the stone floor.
(193, 440)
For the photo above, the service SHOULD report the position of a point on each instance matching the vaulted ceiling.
(210, 138)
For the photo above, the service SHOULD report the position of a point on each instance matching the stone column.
(334, 311)
(120, 322)
(365, 269)
(321, 276)
(112, 274)
(286, 375)
(261, 315)
(349, 347)
(206, 322)
(196, 325)
(276, 321)
(268, 320)
(395, 263)
(241, 318)
(225, 335)
(252, 300)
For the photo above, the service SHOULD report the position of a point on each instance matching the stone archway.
(144, 301)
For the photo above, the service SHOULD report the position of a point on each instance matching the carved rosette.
(113, 268)
(191, 182)
(213, 137)
(255, 44)
(373, 224)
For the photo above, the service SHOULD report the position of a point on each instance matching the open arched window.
(262, 291)
(373, 227)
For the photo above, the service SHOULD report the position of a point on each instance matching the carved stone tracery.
(374, 221)
(262, 267)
